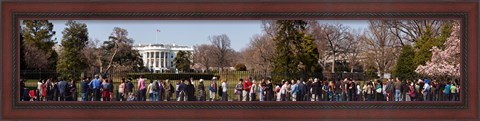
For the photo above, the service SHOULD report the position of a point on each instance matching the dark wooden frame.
(466, 12)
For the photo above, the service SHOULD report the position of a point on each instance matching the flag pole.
(156, 36)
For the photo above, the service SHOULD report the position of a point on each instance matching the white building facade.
(159, 57)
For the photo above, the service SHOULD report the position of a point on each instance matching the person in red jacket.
(246, 89)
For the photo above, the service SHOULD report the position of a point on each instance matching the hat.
(201, 80)
(315, 79)
(214, 78)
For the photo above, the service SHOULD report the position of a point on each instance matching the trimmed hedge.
(173, 76)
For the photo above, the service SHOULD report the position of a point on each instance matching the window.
(162, 62)
(157, 54)
(156, 63)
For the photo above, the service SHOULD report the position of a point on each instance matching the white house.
(159, 57)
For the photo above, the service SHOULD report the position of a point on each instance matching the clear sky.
(182, 32)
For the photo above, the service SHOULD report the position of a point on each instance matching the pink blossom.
(444, 62)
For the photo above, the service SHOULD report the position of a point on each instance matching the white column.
(164, 59)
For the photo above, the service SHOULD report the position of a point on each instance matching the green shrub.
(172, 76)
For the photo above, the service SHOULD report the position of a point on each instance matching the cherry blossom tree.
(444, 62)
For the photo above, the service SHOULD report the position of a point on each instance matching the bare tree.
(382, 46)
(202, 56)
(221, 49)
(333, 39)
(35, 57)
(409, 30)
(92, 54)
(259, 55)
(353, 47)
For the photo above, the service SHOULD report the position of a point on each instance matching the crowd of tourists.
(248, 89)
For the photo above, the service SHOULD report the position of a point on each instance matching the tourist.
(224, 89)
(44, 91)
(378, 90)
(110, 89)
(350, 90)
(308, 90)
(269, 90)
(327, 91)
(283, 91)
(105, 90)
(131, 96)
(338, 91)
(246, 90)
(84, 88)
(440, 87)
(96, 85)
(316, 90)
(434, 90)
(62, 88)
(412, 93)
(453, 92)
(447, 92)
(398, 86)
(72, 91)
(201, 91)
(277, 93)
(169, 90)
(389, 90)
(182, 96)
(39, 90)
(405, 90)
(369, 91)
(121, 90)
(190, 91)
(294, 90)
(142, 89)
(213, 89)
(358, 96)
(22, 90)
(161, 90)
(261, 90)
(301, 90)
(418, 91)
(239, 89)
(177, 93)
(152, 89)
(129, 87)
(253, 91)
(426, 89)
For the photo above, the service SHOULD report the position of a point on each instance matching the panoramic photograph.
(240, 60)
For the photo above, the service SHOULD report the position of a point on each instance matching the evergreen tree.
(427, 41)
(37, 40)
(296, 56)
(71, 61)
(405, 68)
(182, 60)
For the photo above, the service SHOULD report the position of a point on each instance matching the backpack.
(220, 90)
(130, 85)
(171, 88)
(155, 86)
(213, 87)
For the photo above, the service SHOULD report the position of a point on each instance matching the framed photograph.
(239, 60)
